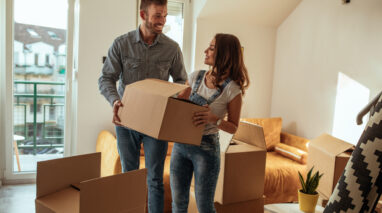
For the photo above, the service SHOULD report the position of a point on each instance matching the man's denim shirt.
(130, 59)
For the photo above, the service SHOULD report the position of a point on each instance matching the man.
(139, 54)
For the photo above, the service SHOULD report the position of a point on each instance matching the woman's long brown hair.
(229, 57)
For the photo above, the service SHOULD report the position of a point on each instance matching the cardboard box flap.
(122, 192)
(251, 134)
(240, 148)
(157, 87)
(331, 145)
(54, 175)
(224, 139)
(142, 112)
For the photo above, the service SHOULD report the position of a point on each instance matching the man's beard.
(150, 26)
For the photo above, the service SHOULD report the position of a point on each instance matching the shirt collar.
(139, 39)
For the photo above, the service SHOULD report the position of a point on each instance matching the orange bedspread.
(281, 179)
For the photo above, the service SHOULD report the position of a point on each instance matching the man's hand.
(204, 117)
(116, 119)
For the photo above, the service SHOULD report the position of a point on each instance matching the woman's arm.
(234, 109)
(230, 125)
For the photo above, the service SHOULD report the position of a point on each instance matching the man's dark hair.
(146, 3)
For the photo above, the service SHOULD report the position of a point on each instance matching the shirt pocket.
(163, 66)
(132, 64)
(132, 70)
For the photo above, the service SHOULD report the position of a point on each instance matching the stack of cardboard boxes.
(329, 155)
(240, 186)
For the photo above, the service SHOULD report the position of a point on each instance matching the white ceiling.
(259, 12)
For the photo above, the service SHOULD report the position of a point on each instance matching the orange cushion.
(292, 153)
(272, 130)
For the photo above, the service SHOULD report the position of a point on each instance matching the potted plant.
(308, 196)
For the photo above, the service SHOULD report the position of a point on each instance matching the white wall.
(196, 8)
(318, 40)
(259, 46)
(100, 24)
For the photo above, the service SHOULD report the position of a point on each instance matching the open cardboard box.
(329, 155)
(73, 184)
(242, 166)
(149, 108)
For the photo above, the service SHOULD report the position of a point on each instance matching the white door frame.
(25, 177)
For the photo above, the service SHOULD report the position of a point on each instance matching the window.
(47, 59)
(53, 35)
(33, 33)
(174, 27)
(36, 59)
(40, 28)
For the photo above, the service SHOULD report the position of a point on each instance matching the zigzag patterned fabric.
(360, 185)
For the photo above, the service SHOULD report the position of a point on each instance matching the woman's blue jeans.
(129, 145)
(204, 162)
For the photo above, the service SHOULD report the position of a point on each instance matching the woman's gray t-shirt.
(220, 105)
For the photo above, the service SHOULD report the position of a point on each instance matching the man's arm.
(177, 70)
(111, 70)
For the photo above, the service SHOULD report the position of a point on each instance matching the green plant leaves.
(310, 185)
(302, 182)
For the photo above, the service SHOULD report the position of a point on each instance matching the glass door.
(39, 82)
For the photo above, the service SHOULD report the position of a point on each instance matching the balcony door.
(41, 79)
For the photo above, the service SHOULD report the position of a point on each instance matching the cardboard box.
(329, 155)
(322, 200)
(149, 108)
(242, 166)
(251, 206)
(73, 184)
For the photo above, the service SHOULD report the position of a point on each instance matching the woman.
(220, 91)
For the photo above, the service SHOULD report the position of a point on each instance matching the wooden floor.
(17, 198)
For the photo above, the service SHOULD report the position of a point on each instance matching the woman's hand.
(204, 117)
(185, 94)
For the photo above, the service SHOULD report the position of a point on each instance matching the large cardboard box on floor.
(74, 185)
(149, 108)
(242, 166)
(329, 155)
